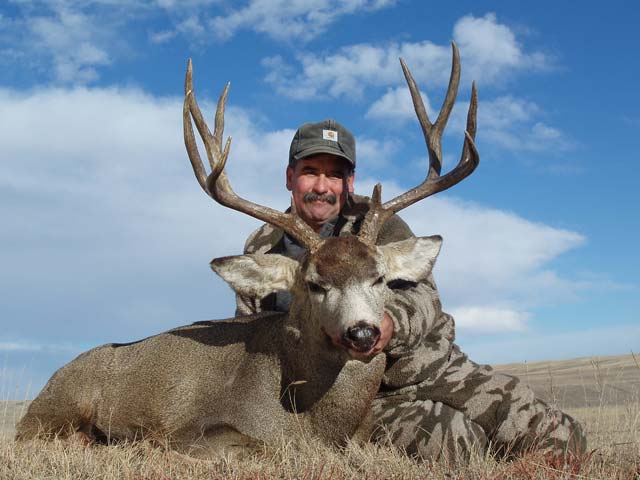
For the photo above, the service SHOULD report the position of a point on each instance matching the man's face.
(320, 185)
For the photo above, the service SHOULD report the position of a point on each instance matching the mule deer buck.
(216, 386)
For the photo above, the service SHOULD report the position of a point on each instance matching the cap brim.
(323, 149)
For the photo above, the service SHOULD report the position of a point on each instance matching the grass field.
(603, 393)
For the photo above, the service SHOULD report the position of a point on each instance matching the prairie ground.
(603, 393)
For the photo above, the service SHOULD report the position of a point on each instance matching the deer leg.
(221, 442)
(365, 431)
(52, 416)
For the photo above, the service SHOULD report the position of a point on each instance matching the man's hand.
(386, 332)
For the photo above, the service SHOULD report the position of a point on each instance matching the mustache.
(330, 198)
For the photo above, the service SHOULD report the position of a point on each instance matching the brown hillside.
(582, 382)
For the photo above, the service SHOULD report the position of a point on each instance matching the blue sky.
(106, 235)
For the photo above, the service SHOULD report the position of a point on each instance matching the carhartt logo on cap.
(330, 135)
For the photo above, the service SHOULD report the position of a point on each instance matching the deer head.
(339, 289)
(341, 285)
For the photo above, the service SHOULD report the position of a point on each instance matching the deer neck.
(329, 394)
(321, 384)
(307, 346)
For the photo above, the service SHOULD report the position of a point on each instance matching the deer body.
(194, 384)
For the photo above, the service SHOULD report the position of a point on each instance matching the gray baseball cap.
(327, 136)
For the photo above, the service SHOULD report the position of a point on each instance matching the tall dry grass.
(613, 431)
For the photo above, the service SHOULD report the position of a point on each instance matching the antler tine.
(452, 92)
(423, 117)
(216, 184)
(218, 129)
(189, 136)
(472, 124)
(369, 228)
(433, 183)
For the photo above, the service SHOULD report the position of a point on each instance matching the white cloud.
(111, 162)
(352, 69)
(514, 124)
(497, 253)
(285, 20)
(502, 112)
(302, 20)
(492, 50)
(396, 105)
(376, 153)
(192, 27)
(183, 4)
(71, 41)
(162, 36)
(489, 52)
(489, 319)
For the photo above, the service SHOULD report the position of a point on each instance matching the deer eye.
(379, 281)
(315, 288)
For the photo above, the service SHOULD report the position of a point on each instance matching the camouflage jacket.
(423, 334)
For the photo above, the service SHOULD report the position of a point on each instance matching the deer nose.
(361, 337)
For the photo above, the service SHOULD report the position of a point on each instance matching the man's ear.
(411, 259)
(256, 275)
(350, 181)
(289, 176)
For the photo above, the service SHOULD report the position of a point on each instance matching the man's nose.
(321, 184)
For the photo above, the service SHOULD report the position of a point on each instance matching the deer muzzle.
(362, 337)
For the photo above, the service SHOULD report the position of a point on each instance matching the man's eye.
(315, 288)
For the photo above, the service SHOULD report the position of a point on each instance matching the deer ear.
(411, 259)
(257, 274)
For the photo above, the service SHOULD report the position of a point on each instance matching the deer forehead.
(343, 260)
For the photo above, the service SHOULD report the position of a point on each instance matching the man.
(433, 402)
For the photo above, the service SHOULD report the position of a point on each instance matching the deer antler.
(216, 184)
(434, 183)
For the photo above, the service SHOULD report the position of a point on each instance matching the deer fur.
(214, 386)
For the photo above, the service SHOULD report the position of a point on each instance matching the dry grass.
(613, 430)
